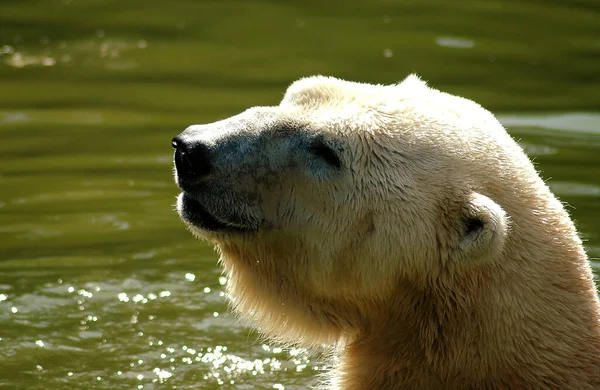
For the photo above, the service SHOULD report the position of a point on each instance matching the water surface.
(101, 286)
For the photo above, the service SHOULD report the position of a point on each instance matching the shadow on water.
(100, 284)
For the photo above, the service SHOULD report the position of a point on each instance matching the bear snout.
(206, 169)
(192, 158)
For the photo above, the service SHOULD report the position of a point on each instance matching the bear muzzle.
(206, 202)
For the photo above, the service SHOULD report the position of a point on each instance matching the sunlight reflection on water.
(577, 122)
(94, 312)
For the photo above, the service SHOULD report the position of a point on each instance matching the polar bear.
(401, 224)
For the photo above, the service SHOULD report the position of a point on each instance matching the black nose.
(191, 158)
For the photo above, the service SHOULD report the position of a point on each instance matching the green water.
(101, 286)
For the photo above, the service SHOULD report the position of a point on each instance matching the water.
(100, 284)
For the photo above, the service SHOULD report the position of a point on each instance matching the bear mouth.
(193, 212)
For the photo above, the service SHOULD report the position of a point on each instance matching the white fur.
(379, 257)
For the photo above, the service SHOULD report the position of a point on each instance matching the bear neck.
(511, 330)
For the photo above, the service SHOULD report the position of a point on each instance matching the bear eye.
(320, 149)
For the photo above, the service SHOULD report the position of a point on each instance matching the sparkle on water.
(163, 361)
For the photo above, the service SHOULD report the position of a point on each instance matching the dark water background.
(101, 287)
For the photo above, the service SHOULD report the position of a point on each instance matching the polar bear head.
(397, 214)
(321, 206)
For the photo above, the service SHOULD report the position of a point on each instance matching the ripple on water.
(133, 332)
(569, 188)
(104, 316)
(105, 51)
(454, 42)
(14, 117)
(575, 122)
(537, 149)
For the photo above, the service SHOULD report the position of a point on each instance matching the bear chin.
(196, 215)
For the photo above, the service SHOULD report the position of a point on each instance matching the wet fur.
(380, 261)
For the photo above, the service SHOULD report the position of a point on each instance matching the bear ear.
(482, 229)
